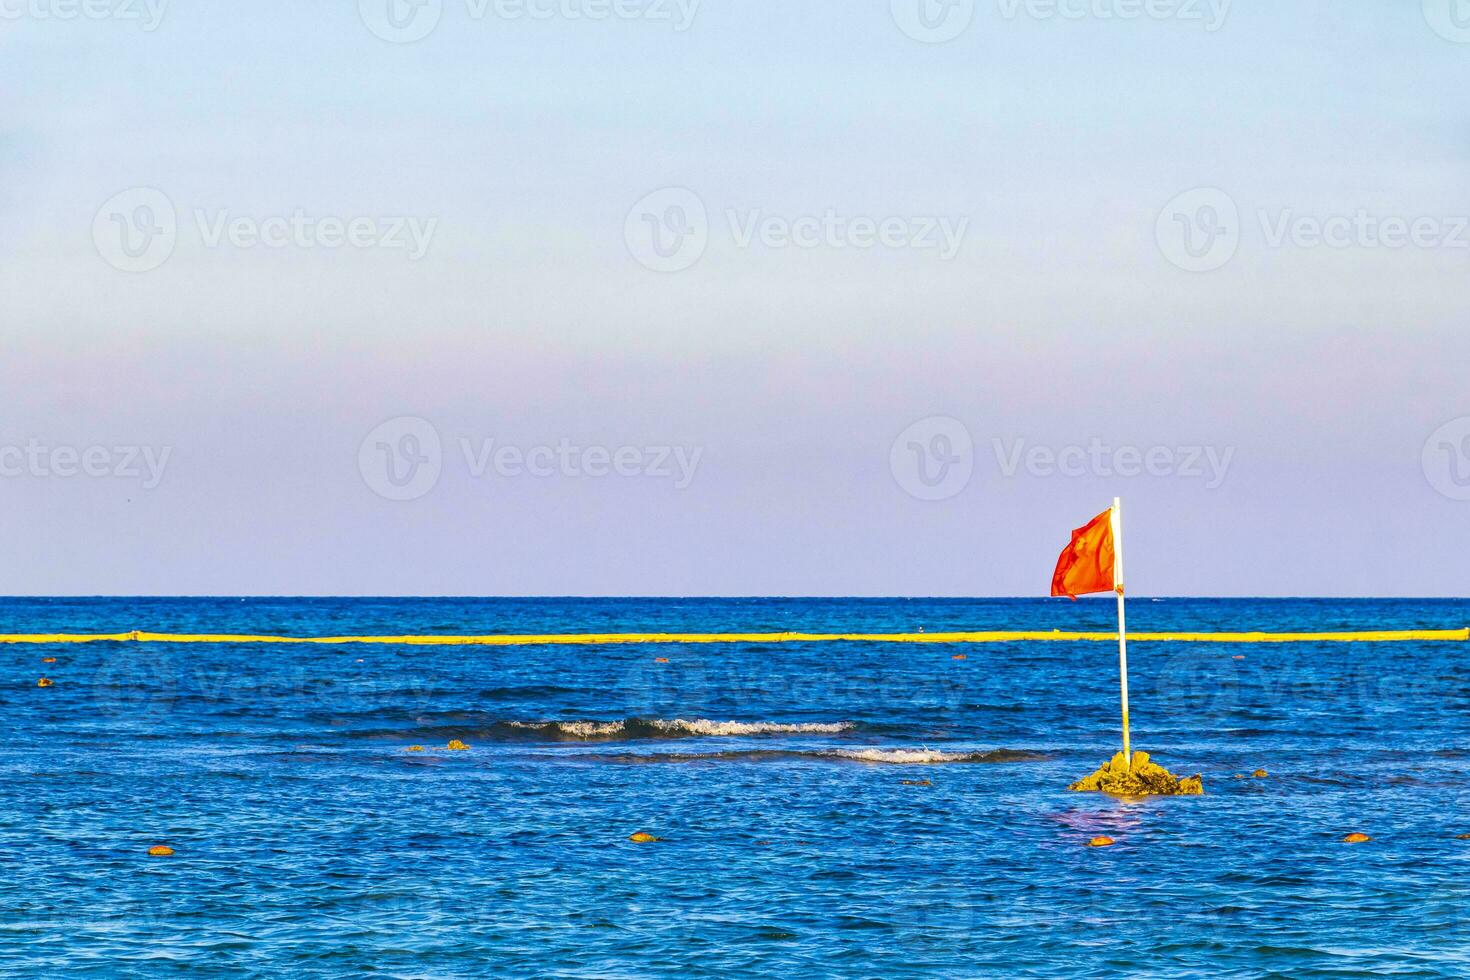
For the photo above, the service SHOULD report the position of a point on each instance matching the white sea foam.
(701, 726)
(679, 726)
(577, 729)
(904, 757)
(899, 757)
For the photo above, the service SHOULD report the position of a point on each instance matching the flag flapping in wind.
(1086, 565)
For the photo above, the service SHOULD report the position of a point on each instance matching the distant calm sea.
(309, 843)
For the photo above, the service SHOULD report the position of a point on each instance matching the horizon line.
(730, 597)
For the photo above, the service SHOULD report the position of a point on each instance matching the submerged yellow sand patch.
(604, 639)
(1144, 778)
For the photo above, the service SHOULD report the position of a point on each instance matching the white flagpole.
(1117, 522)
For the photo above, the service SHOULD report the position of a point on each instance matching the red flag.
(1086, 565)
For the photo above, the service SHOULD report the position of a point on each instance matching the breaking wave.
(914, 757)
(676, 728)
(889, 756)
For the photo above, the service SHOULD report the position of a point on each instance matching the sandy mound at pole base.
(1144, 779)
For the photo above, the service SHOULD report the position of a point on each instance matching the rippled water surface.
(835, 809)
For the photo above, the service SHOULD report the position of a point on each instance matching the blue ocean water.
(864, 810)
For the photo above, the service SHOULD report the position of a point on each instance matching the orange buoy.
(1259, 774)
(1238, 656)
(660, 660)
(642, 838)
(959, 656)
(1462, 837)
(1101, 842)
(414, 748)
(48, 660)
(45, 682)
(1356, 839)
(160, 851)
(455, 745)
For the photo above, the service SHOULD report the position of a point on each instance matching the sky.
(656, 297)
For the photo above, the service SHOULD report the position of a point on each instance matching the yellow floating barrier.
(607, 639)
